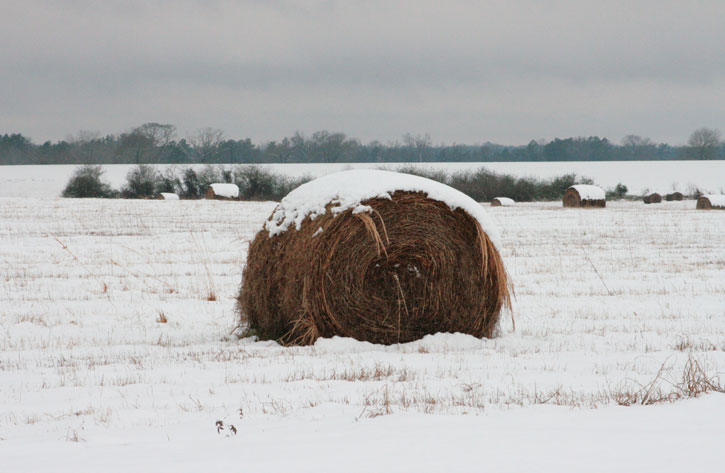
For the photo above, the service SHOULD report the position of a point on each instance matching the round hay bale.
(710, 202)
(502, 202)
(674, 196)
(222, 191)
(381, 257)
(584, 196)
(653, 198)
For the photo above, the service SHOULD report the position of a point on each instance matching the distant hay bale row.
(216, 191)
(653, 198)
(584, 196)
(387, 270)
(711, 202)
(674, 196)
(502, 202)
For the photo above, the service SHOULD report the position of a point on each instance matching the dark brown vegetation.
(674, 196)
(573, 199)
(87, 181)
(653, 198)
(409, 268)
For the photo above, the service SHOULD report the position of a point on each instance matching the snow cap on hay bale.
(222, 191)
(584, 195)
(653, 198)
(502, 202)
(377, 256)
(712, 201)
(674, 196)
(168, 196)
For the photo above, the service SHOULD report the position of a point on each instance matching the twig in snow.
(597, 272)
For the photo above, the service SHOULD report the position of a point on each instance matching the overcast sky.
(463, 71)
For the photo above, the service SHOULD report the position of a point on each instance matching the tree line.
(145, 181)
(255, 182)
(159, 143)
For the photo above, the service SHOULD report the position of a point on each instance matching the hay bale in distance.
(653, 198)
(711, 202)
(584, 195)
(222, 191)
(502, 202)
(674, 196)
(377, 256)
(168, 196)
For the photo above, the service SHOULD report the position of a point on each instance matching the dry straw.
(573, 199)
(410, 267)
(222, 191)
(501, 202)
(705, 202)
(653, 198)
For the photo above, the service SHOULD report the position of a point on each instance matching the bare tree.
(83, 136)
(85, 146)
(147, 143)
(329, 147)
(421, 143)
(704, 143)
(206, 143)
(637, 147)
(160, 134)
(633, 141)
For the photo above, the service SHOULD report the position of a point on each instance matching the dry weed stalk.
(104, 286)
(203, 251)
(693, 382)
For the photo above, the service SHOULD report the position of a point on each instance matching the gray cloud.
(464, 71)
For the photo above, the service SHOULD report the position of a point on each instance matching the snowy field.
(639, 176)
(117, 353)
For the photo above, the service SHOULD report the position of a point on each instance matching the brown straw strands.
(653, 198)
(409, 268)
(710, 202)
(573, 199)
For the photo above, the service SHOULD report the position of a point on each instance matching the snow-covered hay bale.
(674, 196)
(502, 202)
(710, 202)
(584, 195)
(222, 191)
(168, 196)
(653, 198)
(377, 256)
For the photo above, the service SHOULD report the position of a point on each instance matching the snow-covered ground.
(639, 176)
(116, 354)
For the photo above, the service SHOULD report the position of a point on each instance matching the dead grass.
(202, 250)
(663, 388)
(697, 345)
(104, 286)
(66, 344)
